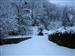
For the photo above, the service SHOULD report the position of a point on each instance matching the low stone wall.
(13, 40)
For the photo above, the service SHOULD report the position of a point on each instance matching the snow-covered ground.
(37, 46)
(61, 29)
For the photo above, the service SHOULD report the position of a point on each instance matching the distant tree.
(8, 23)
(49, 14)
(67, 20)
(23, 17)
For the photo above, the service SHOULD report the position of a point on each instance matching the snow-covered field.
(37, 46)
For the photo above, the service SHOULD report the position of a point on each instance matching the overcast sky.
(64, 2)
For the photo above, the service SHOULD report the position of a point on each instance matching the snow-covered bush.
(63, 39)
(8, 23)
(13, 17)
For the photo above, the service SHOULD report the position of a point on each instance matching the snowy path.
(37, 46)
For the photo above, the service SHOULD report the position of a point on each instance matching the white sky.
(63, 2)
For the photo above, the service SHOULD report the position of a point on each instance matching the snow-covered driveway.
(36, 46)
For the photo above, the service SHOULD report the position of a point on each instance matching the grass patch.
(63, 39)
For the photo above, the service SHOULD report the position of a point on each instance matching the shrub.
(63, 39)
